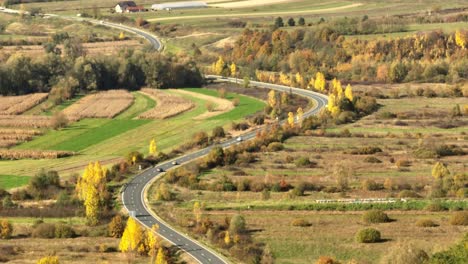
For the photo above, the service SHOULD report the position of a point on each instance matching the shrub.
(370, 185)
(366, 151)
(426, 223)
(303, 162)
(435, 207)
(235, 101)
(210, 106)
(300, 222)
(275, 146)
(405, 254)
(64, 231)
(44, 230)
(326, 260)
(218, 132)
(375, 216)
(386, 115)
(459, 218)
(237, 224)
(6, 229)
(372, 159)
(368, 235)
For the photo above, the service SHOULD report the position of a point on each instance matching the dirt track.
(260, 14)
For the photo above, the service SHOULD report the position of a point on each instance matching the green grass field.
(108, 140)
(12, 181)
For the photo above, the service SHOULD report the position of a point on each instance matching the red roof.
(135, 8)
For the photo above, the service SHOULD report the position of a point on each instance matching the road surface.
(133, 195)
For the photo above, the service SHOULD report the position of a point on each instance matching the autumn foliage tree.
(6, 229)
(291, 119)
(132, 236)
(116, 226)
(152, 147)
(272, 101)
(49, 260)
(91, 189)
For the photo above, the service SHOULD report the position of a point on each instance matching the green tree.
(301, 21)
(291, 22)
(279, 22)
(237, 224)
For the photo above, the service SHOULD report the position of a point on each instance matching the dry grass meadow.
(167, 105)
(106, 104)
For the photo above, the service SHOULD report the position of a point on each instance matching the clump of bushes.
(426, 223)
(366, 151)
(434, 207)
(275, 146)
(303, 162)
(459, 218)
(372, 159)
(375, 216)
(370, 185)
(300, 222)
(48, 230)
(368, 235)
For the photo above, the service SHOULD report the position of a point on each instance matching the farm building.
(179, 5)
(128, 7)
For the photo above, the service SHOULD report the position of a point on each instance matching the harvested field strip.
(12, 181)
(14, 105)
(168, 105)
(98, 134)
(141, 104)
(247, 105)
(10, 154)
(220, 105)
(6, 143)
(25, 121)
(30, 132)
(106, 104)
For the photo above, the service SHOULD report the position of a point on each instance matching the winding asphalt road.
(133, 195)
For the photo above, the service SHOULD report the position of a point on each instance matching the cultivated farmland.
(168, 105)
(106, 104)
(32, 154)
(15, 105)
(25, 121)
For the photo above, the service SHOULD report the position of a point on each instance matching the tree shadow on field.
(252, 231)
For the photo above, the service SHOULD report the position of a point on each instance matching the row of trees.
(71, 70)
(433, 56)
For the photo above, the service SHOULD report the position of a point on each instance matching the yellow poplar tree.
(291, 119)
(319, 82)
(91, 204)
(152, 147)
(311, 83)
(152, 240)
(284, 79)
(161, 257)
(131, 237)
(197, 211)
(272, 98)
(227, 238)
(6, 229)
(219, 66)
(299, 80)
(349, 92)
(49, 260)
(233, 69)
(300, 115)
(461, 39)
(90, 189)
(122, 35)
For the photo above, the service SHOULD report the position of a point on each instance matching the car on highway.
(174, 162)
(239, 139)
(159, 170)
